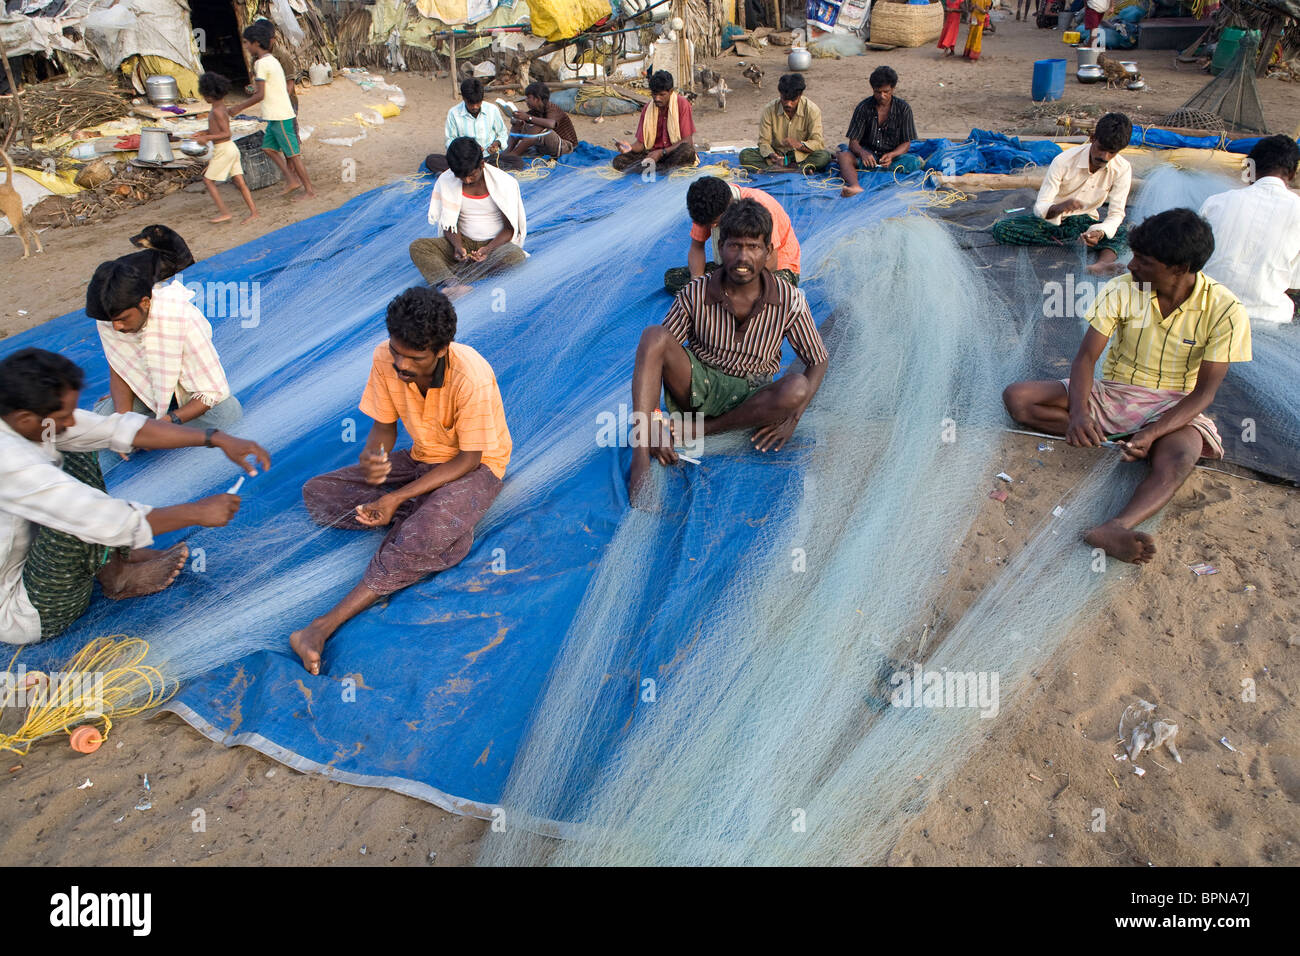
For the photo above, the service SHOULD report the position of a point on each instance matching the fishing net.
(1232, 95)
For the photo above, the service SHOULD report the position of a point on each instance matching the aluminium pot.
(799, 60)
(154, 146)
(1090, 74)
(1087, 55)
(162, 90)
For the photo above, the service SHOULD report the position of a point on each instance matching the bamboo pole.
(20, 122)
(455, 78)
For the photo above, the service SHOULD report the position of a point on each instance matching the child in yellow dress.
(225, 163)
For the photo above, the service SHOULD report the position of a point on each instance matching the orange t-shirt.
(466, 414)
(783, 237)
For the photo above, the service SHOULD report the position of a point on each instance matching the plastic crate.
(259, 170)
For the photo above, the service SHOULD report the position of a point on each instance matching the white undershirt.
(480, 219)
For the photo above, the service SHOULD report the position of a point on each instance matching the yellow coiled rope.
(106, 680)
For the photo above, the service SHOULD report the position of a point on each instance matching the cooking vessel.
(1087, 55)
(1090, 74)
(154, 146)
(799, 59)
(162, 90)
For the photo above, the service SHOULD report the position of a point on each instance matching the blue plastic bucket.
(1049, 80)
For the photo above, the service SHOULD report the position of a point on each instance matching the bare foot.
(143, 555)
(291, 189)
(310, 194)
(309, 643)
(225, 218)
(127, 579)
(251, 216)
(1110, 267)
(458, 291)
(848, 191)
(1136, 547)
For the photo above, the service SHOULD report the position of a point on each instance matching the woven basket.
(906, 24)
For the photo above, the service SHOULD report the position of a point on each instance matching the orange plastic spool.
(86, 739)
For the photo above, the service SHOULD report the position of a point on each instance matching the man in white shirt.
(481, 122)
(1078, 183)
(59, 529)
(479, 213)
(1257, 233)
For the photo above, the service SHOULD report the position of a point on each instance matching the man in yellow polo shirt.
(1175, 332)
(433, 495)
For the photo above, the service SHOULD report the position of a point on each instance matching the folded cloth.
(128, 142)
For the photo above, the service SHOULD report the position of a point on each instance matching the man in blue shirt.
(479, 121)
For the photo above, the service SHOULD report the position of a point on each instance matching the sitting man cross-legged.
(545, 129)
(479, 213)
(1077, 184)
(446, 396)
(706, 200)
(790, 137)
(880, 133)
(60, 531)
(665, 133)
(718, 350)
(1175, 331)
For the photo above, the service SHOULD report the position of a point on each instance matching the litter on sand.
(1058, 511)
(1200, 569)
(1043, 447)
(1224, 741)
(1139, 771)
(1004, 476)
(85, 785)
(998, 494)
(1138, 732)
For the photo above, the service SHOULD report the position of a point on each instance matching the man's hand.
(239, 450)
(478, 255)
(1084, 432)
(662, 439)
(378, 513)
(215, 511)
(1068, 206)
(623, 147)
(375, 467)
(1093, 236)
(772, 437)
(457, 250)
(869, 159)
(494, 148)
(791, 143)
(775, 160)
(1137, 447)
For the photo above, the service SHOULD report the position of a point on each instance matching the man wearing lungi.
(430, 497)
(1175, 332)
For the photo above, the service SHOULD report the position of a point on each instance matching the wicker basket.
(906, 24)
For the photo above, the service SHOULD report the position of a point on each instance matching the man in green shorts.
(279, 139)
(717, 354)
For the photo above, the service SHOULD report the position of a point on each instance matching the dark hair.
(661, 81)
(120, 284)
(707, 199)
(464, 155)
(745, 219)
(422, 318)
(883, 76)
(1114, 130)
(213, 86)
(1176, 237)
(1275, 154)
(34, 380)
(791, 85)
(471, 90)
(538, 89)
(261, 33)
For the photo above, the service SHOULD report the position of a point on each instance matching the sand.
(1181, 641)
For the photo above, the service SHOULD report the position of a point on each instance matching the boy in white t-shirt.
(279, 140)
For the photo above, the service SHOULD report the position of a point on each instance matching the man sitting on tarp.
(719, 349)
(60, 531)
(1175, 331)
(880, 133)
(446, 396)
(545, 129)
(1257, 233)
(479, 213)
(665, 134)
(707, 199)
(481, 122)
(1078, 183)
(790, 137)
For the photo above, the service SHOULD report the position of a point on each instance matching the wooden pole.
(455, 77)
(20, 122)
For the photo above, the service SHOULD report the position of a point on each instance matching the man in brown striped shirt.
(718, 351)
(545, 128)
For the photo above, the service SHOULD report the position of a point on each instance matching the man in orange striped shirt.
(706, 201)
(718, 351)
(447, 398)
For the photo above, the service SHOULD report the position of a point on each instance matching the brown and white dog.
(11, 206)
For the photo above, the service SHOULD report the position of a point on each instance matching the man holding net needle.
(1173, 332)
(446, 396)
(718, 351)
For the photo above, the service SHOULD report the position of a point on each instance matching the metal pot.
(1090, 73)
(162, 90)
(1087, 55)
(1130, 67)
(799, 59)
(154, 146)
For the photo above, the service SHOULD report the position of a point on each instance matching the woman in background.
(979, 18)
(951, 26)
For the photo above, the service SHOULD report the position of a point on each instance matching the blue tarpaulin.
(984, 152)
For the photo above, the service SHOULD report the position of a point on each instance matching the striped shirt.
(1153, 351)
(464, 414)
(487, 128)
(701, 320)
(866, 129)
